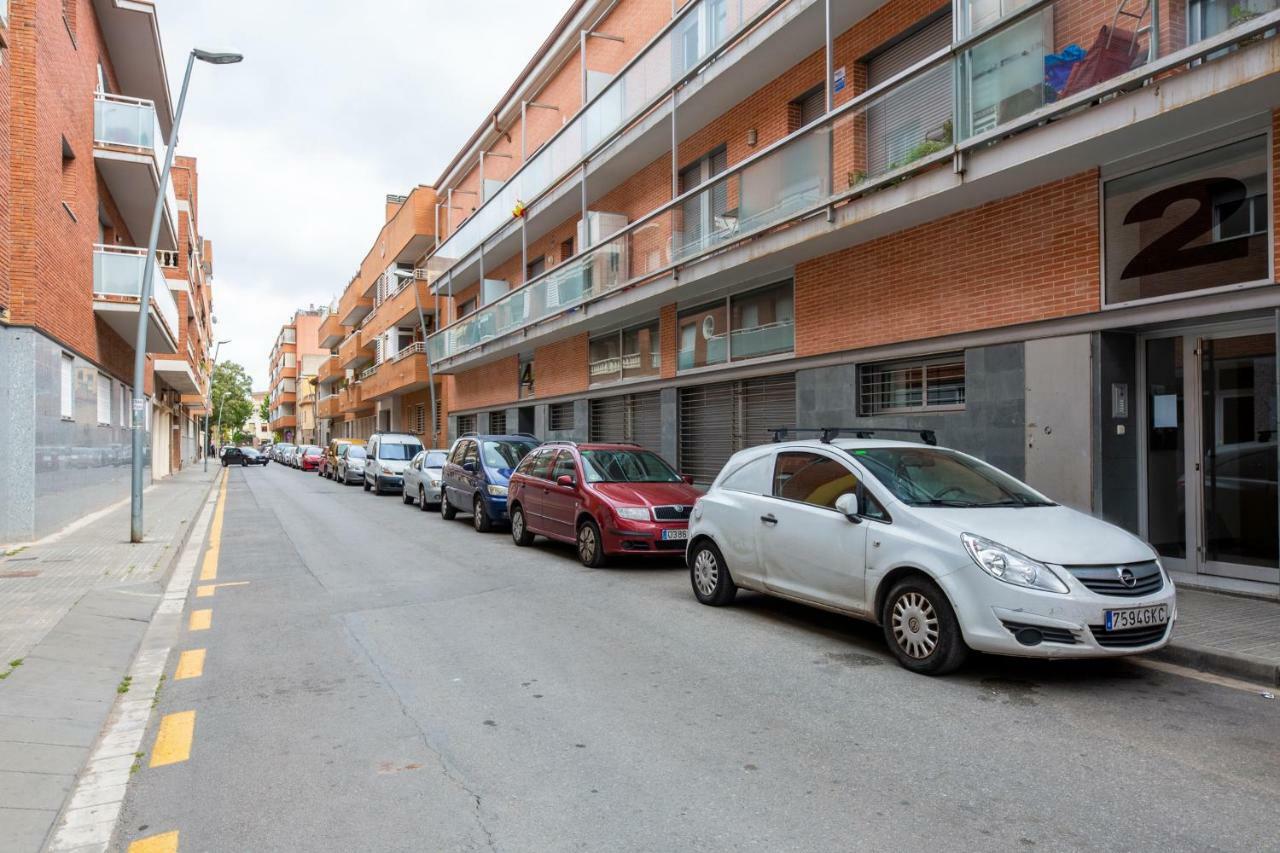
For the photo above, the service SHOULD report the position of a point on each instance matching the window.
(566, 250)
(704, 215)
(68, 179)
(564, 467)
(752, 477)
(506, 454)
(466, 424)
(535, 268)
(1189, 225)
(931, 476)
(626, 466)
(420, 419)
(104, 400)
(808, 107)
(467, 307)
(627, 354)
(907, 386)
(560, 416)
(498, 422)
(745, 326)
(124, 405)
(811, 478)
(68, 392)
(470, 453)
(458, 453)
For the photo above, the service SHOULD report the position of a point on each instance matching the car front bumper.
(1070, 625)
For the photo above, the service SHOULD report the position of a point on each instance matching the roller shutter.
(628, 417)
(718, 420)
(915, 111)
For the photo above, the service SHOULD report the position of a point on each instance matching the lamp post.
(208, 416)
(144, 297)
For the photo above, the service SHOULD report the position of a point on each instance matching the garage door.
(718, 420)
(628, 417)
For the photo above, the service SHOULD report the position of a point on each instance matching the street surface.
(379, 679)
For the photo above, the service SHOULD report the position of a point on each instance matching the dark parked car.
(234, 456)
(607, 499)
(475, 476)
(253, 457)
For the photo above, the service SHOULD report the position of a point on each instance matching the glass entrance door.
(1210, 453)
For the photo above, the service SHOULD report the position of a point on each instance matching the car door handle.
(769, 519)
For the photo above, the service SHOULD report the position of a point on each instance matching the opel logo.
(1126, 577)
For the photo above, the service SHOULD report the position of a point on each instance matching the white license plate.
(1137, 617)
(676, 533)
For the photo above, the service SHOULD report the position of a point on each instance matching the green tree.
(231, 397)
(264, 411)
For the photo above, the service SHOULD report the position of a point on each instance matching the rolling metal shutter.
(718, 420)
(628, 417)
(914, 111)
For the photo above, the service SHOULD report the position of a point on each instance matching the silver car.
(423, 479)
(350, 467)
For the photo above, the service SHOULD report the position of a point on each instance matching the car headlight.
(497, 491)
(633, 513)
(1011, 567)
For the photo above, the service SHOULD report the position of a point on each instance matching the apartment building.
(375, 376)
(258, 428)
(85, 113)
(1044, 230)
(295, 345)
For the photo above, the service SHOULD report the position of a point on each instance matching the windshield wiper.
(1016, 502)
(946, 502)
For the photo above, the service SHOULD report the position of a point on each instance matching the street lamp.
(144, 301)
(208, 416)
(422, 321)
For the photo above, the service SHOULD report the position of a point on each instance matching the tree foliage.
(232, 388)
(264, 410)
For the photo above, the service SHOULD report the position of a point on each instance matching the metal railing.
(845, 153)
(415, 348)
(367, 372)
(117, 271)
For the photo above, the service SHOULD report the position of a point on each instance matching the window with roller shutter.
(720, 419)
(635, 418)
(916, 112)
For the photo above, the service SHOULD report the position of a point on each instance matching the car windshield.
(249, 451)
(355, 452)
(931, 476)
(505, 454)
(398, 452)
(313, 451)
(435, 459)
(626, 466)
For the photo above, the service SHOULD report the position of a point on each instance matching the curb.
(181, 545)
(1233, 664)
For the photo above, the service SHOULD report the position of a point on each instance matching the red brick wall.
(488, 385)
(561, 368)
(5, 166)
(1030, 257)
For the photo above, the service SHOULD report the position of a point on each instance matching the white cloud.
(336, 105)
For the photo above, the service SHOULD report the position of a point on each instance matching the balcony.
(195, 404)
(129, 152)
(117, 287)
(351, 400)
(284, 422)
(400, 306)
(406, 372)
(328, 406)
(354, 352)
(331, 332)
(353, 307)
(131, 36)
(328, 371)
(178, 374)
(854, 174)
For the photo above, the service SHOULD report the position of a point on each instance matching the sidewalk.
(1227, 635)
(73, 610)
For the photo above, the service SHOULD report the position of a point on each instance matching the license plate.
(676, 533)
(1137, 617)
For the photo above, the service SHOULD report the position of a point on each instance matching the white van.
(389, 453)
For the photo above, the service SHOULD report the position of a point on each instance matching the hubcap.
(915, 625)
(706, 572)
(478, 514)
(517, 523)
(587, 543)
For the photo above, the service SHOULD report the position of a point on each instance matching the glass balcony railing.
(117, 271)
(702, 28)
(1012, 71)
(132, 123)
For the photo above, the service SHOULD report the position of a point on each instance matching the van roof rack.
(827, 434)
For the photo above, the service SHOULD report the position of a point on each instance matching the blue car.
(475, 476)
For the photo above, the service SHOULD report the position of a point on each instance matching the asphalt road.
(387, 680)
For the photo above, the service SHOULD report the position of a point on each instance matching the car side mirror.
(847, 505)
(565, 480)
(687, 479)
(469, 467)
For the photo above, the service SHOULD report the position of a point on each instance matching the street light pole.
(208, 419)
(144, 298)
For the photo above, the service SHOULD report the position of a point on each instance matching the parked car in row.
(350, 466)
(476, 473)
(329, 464)
(944, 551)
(309, 458)
(252, 456)
(388, 454)
(280, 453)
(423, 478)
(607, 499)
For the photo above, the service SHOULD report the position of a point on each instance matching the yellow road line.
(209, 569)
(173, 741)
(206, 590)
(201, 620)
(190, 664)
(164, 843)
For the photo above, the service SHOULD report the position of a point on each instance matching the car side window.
(811, 478)
(471, 453)
(564, 465)
(541, 465)
(752, 478)
(455, 455)
(869, 507)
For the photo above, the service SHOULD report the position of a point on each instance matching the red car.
(605, 498)
(311, 458)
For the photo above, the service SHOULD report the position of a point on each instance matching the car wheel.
(590, 545)
(519, 530)
(921, 628)
(422, 499)
(479, 517)
(406, 495)
(365, 480)
(712, 583)
(447, 512)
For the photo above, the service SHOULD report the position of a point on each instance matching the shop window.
(560, 416)
(912, 386)
(1194, 224)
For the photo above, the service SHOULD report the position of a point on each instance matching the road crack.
(450, 774)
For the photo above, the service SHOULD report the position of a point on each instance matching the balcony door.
(1211, 452)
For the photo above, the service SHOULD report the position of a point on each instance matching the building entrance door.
(1210, 498)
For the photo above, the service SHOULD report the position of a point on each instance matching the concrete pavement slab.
(24, 829)
(40, 758)
(34, 790)
(45, 730)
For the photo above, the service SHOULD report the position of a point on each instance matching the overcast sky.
(336, 105)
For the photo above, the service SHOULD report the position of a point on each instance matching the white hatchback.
(944, 551)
